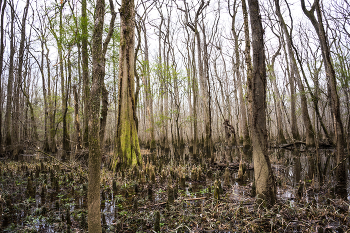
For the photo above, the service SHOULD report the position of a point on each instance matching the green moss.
(128, 150)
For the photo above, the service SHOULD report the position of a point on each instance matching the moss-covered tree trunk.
(127, 151)
(264, 178)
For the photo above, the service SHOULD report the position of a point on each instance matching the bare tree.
(332, 86)
(264, 178)
(2, 48)
(310, 140)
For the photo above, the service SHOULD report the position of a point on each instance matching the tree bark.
(65, 136)
(99, 50)
(290, 72)
(46, 146)
(94, 216)
(148, 92)
(85, 66)
(8, 139)
(52, 112)
(104, 112)
(2, 48)
(76, 119)
(128, 149)
(248, 62)
(207, 99)
(264, 178)
(17, 85)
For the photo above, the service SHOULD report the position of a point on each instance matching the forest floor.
(42, 195)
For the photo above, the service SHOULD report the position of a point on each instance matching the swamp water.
(175, 192)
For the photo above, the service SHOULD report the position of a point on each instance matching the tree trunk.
(94, 216)
(85, 66)
(148, 92)
(280, 135)
(264, 178)
(76, 119)
(128, 149)
(52, 112)
(310, 140)
(207, 99)
(314, 97)
(294, 125)
(248, 62)
(332, 87)
(104, 112)
(195, 101)
(65, 136)
(46, 146)
(99, 50)
(8, 139)
(17, 85)
(2, 48)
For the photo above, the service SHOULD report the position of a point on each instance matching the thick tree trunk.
(128, 149)
(264, 178)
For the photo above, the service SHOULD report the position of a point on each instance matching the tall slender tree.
(264, 178)
(2, 48)
(332, 87)
(248, 62)
(99, 49)
(8, 135)
(310, 140)
(85, 67)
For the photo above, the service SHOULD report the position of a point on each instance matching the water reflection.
(317, 171)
